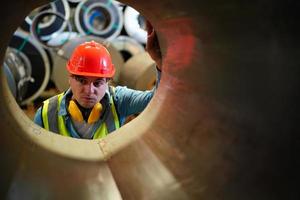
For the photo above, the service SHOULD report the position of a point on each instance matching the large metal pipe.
(219, 126)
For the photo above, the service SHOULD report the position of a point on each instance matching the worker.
(90, 108)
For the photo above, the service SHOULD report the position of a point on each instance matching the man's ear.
(69, 80)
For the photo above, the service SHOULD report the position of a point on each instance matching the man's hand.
(152, 45)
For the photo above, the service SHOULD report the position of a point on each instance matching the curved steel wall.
(219, 126)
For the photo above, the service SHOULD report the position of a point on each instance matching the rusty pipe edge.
(213, 130)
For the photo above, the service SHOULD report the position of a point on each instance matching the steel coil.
(134, 24)
(74, 1)
(11, 80)
(127, 46)
(36, 64)
(100, 18)
(139, 72)
(57, 36)
(52, 24)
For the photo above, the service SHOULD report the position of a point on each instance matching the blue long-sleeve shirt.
(126, 100)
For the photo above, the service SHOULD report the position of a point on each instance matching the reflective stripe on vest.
(53, 122)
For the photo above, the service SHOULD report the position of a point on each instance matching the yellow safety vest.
(56, 123)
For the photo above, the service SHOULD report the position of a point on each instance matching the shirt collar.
(62, 107)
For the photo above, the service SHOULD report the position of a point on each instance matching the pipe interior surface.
(218, 127)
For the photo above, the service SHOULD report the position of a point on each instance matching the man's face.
(87, 90)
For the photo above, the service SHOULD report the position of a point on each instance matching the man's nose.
(89, 88)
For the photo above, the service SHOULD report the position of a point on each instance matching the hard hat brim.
(100, 75)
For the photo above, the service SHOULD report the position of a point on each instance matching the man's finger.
(149, 27)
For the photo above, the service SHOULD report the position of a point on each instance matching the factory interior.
(38, 52)
(219, 125)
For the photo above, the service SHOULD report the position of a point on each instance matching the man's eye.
(97, 83)
(81, 80)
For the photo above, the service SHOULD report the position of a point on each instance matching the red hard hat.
(91, 59)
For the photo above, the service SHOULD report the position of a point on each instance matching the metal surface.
(36, 72)
(53, 23)
(127, 46)
(11, 80)
(99, 18)
(219, 127)
(37, 21)
(139, 72)
(17, 73)
(134, 24)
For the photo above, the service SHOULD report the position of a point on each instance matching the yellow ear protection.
(77, 115)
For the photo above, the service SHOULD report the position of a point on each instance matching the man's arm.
(38, 118)
(129, 101)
